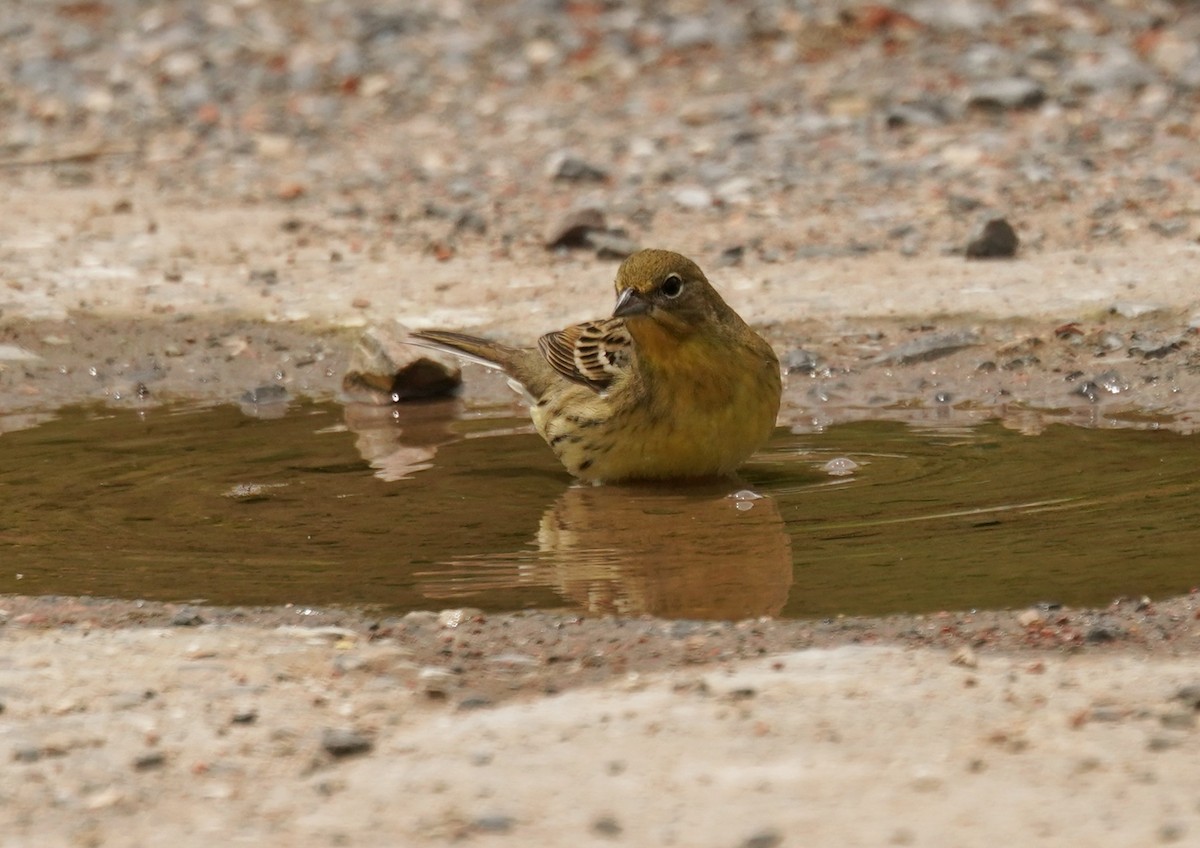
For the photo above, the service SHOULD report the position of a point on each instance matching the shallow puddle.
(327, 505)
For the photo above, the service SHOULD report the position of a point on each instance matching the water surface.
(326, 505)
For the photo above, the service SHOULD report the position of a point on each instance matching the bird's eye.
(672, 285)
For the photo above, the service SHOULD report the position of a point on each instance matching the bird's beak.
(630, 302)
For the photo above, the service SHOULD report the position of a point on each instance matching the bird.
(673, 386)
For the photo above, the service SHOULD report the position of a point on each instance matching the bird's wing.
(593, 353)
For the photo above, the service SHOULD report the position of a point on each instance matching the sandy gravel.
(199, 199)
(311, 737)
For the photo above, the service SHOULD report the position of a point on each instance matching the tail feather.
(525, 367)
(484, 352)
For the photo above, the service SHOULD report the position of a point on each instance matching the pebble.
(564, 166)
(265, 394)
(1029, 618)
(149, 760)
(767, 838)
(1009, 93)
(928, 348)
(996, 240)
(187, 617)
(13, 353)
(573, 230)
(1189, 695)
(607, 826)
(965, 657)
(1178, 720)
(494, 823)
(344, 743)
(244, 716)
(451, 618)
(692, 197)
(384, 368)
(611, 244)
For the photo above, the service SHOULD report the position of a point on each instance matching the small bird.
(674, 385)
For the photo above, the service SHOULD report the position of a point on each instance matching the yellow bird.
(674, 385)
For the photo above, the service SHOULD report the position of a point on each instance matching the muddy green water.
(325, 505)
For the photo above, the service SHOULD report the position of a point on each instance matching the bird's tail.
(487, 353)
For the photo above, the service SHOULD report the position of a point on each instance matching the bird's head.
(669, 289)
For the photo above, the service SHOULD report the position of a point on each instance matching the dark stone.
(149, 760)
(763, 839)
(344, 743)
(997, 240)
(606, 826)
(186, 617)
(574, 229)
(1103, 633)
(244, 717)
(1190, 695)
(573, 169)
(475, 702)
(424, 378)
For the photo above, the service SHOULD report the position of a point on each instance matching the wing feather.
(593, 353)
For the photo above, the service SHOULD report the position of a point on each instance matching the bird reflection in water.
(693, 552)
(678, 550)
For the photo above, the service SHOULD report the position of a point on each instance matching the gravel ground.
(202, 198)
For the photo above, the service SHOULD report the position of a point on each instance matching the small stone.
(693, 197)
(1130, 309)
(265, 394)
(186, 617)
(103, 799)
(1101, 633)
(574, 229)
(997, 240)
(1190, 695)
(494, 823)
(570, 168)
(611, 244)
(768, 838)
(12, 353)
(451, 618)
(471, 222)
(1009, 93)
(606, 826)
(246, 716)
(474, 702)
(149, 760)
(731, 257)
(1029, 618)
(344, 743)
(1172, 832)
(1178, 720)
(928, 348)
(965, 657)
(385, 368)
(1162, 743)
(27, 753)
